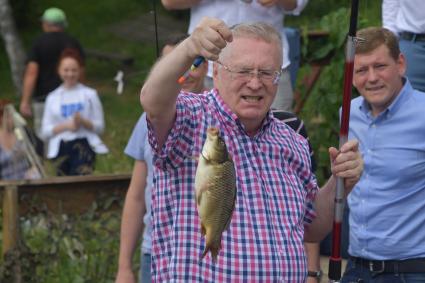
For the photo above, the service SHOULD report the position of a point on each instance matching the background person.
(73, 120)
(262, 243)
(41, 75)
(406, 18)
(387, 208)
(14, 164)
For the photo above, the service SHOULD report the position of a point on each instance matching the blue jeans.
(360, 274)
(414, 51)
(145, 268)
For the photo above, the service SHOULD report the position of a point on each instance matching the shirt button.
(373, 125)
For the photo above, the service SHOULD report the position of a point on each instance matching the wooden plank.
(10, 218)
(68, 194)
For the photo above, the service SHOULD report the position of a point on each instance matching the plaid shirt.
(275, 191)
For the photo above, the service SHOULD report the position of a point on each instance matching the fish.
(215, 190)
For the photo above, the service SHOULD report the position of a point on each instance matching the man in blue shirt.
(387, 205)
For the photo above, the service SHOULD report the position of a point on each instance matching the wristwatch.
(315, 274)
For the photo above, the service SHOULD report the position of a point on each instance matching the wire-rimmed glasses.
(246, 74)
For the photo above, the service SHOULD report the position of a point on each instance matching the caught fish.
(215, 185)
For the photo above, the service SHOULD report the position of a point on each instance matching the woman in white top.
(73, 120)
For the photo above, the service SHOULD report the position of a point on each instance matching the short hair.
(258, 30)
(372, 37)
(71, 53)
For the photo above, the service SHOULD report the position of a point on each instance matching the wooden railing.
(60, 195)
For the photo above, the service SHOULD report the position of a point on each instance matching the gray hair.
(258, 30)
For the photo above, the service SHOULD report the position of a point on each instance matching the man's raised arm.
(159, 93)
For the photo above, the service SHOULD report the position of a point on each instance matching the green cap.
(54, 16)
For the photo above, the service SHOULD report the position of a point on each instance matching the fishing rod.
(21, 135)
(334, 272)
(156, 27)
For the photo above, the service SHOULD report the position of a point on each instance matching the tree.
(13, 44)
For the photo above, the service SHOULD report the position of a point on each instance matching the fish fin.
(199, 198)
(203, 230)
(229, 157)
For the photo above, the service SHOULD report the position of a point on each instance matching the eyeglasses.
(245, 74)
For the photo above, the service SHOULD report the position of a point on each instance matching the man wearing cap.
(40, 74)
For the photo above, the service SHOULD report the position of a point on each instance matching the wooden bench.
(60, 195)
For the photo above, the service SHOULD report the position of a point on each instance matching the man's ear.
(402, 64)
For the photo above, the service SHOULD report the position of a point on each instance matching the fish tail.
(213, 246)
(214, 252)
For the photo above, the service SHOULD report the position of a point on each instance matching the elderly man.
(278, 203)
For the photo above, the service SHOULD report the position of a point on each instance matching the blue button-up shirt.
(387, 206)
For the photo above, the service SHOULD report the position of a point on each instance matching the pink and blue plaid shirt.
(275, 193)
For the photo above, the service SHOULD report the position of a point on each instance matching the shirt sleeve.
(389, 14)
(48, 120)
(309, 181)
(136, 144)
(312, 189)
(96, 112)
(179, 144)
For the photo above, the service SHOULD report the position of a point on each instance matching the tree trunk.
(13, 44)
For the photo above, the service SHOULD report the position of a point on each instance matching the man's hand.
(347, 163)
(209, 38)
(25, 109)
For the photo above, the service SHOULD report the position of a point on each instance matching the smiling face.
(69, 71)
(378, 77)
(250, 99)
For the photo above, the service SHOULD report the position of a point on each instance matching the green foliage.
(321, 112)
(81, 248)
